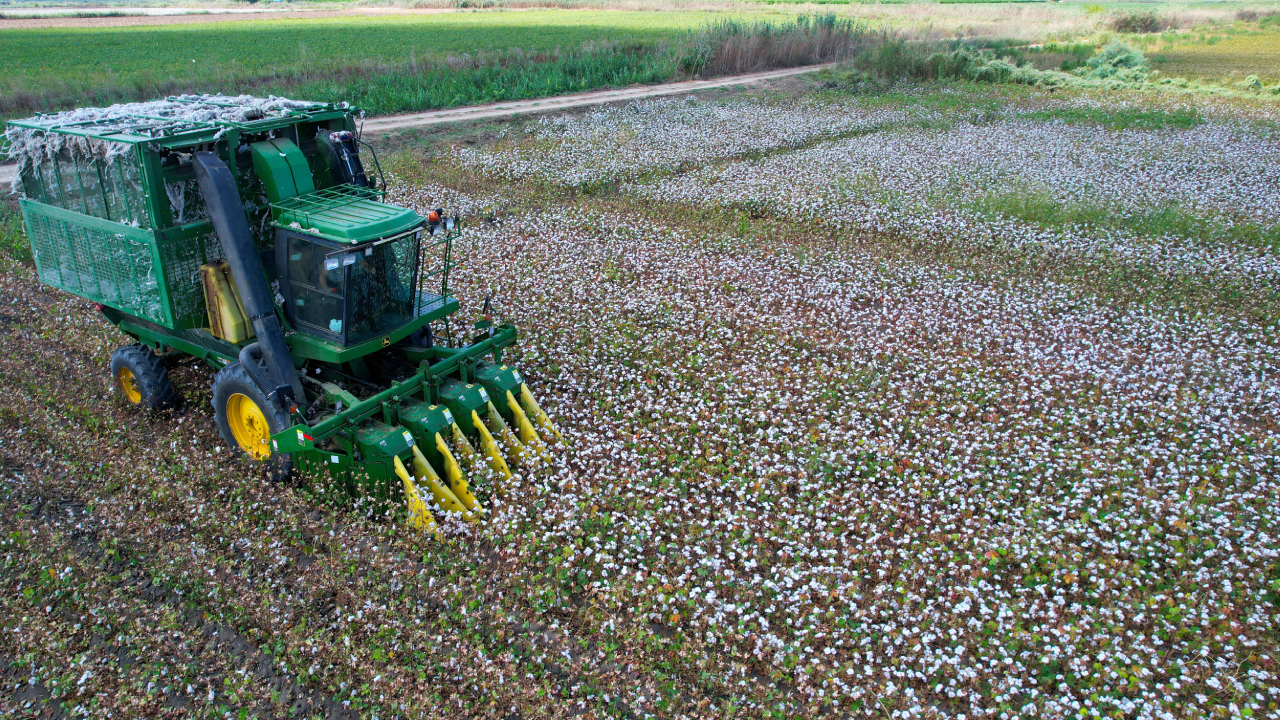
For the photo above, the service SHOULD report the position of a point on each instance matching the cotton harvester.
(246, 233)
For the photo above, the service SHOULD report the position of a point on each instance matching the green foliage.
(1172, 221)
(894, 58)
(732, 46)
(13, 241)
(1117, 66)
(393, 64)
(1250, 83)
(1139, 21)
(1122, 119)
(1117, 60)
(481, 81)
(56, 68)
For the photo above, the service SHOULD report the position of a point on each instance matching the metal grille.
(182, 260)
(326, 200)
(114, 268)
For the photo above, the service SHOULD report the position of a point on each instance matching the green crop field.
(62, 66)
(400, 62)
(384, 64)
(1218, 58)
(35, 59)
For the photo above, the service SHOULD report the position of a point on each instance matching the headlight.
(448, 223)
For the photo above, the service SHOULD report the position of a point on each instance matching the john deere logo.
(386, 341)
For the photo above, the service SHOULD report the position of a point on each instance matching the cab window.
(317, 284)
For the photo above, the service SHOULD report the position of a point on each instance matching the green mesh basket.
(181, 260)
(122, 267)
(106, 262)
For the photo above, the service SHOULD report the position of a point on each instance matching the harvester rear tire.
(140, 378)
(237, 400)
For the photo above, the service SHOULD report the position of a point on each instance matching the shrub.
(895, 59)
(1116, 60)
(985, 66)
(1250, 83)
(1145, 21)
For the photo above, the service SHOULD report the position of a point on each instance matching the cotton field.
(920, 181)
(917, 170)
(897, 488)
(887, 486)
(850, 434)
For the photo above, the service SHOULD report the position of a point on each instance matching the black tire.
(140, 379)
(230, 382)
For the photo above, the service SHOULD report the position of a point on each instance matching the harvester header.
(247, 233)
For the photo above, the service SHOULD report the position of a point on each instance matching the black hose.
(228, 216)
(251, 361)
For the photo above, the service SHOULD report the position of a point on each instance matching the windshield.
(379, 287)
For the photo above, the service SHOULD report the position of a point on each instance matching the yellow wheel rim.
(249, 426)
(129, 386)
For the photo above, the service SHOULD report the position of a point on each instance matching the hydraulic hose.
(229, 220)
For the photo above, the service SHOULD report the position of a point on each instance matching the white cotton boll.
(864, 461)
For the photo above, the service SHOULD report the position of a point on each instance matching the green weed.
(1124, 118)
(13, 240)
(1171, 221)
(448, 85)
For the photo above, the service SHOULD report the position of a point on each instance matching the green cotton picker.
(246, 232)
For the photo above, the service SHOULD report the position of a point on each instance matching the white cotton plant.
(884, 463)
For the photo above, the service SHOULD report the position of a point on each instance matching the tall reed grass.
(732, 47)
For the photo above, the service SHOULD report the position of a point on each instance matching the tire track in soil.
(531, 639)
(45, 493)
(222, 653)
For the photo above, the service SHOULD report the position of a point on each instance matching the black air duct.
(229, 220)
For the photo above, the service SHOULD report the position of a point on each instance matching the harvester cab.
(248, 233)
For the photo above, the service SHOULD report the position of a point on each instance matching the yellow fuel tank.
(227, 319)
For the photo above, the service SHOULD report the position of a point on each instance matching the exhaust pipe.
(229, 220)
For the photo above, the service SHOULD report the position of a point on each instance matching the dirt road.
(393, 123)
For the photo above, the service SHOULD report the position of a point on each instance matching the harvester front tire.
(247, 420)
(140, 379)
